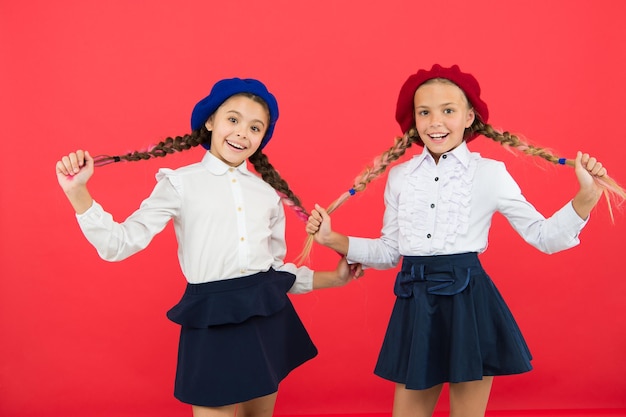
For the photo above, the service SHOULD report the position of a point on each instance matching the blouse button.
(432, 206)
(238, 208)
(428, 236)
(444, 156)
(234, 180)
(436, 178)
(242, 239)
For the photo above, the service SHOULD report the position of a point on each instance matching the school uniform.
(449, 322)
(240, 335)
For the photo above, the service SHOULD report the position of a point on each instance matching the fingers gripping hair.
(181, 143)
(370, 173)
(262, 165)
(168, 146)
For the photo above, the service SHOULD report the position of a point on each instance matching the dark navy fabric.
(449, 324)
(239, 338)
(232, 300)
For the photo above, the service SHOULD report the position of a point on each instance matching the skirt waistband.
(436, 275)
(466, 259)
(233, 284)
(233, 300)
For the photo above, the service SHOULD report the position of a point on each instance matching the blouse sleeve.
(117, 241)
(304, 275)
(383, 252)
(556, 233)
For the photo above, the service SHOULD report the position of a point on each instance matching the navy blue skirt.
(239, 338)
(449, 324)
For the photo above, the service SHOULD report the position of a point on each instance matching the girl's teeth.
(234, 145)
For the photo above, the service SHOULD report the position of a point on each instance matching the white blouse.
(446, 208)
(229, 223)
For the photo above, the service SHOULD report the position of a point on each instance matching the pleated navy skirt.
(239, 338)
(449, 324)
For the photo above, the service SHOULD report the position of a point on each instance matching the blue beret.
(224, 89)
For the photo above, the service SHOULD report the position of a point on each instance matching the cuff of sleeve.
(304, 278)
(357, 250)
(94, 211)
(569, 216)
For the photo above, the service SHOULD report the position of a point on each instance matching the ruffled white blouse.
(446, 208)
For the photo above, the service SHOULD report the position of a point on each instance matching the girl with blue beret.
(240, 335)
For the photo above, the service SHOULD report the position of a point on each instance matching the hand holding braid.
(163, 148)
(611, 189)
(181, 143)
(370, 173)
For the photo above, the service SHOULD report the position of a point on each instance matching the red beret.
(466, 82)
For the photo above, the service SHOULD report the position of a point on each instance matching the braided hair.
(171, 145)
(612, 190)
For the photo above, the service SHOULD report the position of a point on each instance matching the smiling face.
(442, 112)
(237, 129)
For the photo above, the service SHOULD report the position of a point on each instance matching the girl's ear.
(471, 116)
(209, 123)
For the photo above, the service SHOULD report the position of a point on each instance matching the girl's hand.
(319, 225)
(347, 272)
(587, 170)
(74, 170)
(343, 274)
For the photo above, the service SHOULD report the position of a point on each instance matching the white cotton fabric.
(446, 208)
(229, 223)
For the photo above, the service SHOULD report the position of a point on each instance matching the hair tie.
(562, 161)
(352, 191)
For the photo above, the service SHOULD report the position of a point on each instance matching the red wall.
(80, 336)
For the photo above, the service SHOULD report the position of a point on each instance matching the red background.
(80, 336)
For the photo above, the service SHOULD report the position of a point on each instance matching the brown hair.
(181, 143)
(380, 164)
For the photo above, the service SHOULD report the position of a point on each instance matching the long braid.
(612, 190)
(181, 143)
(163, 148)
(370, 173)
(269, 174)
(507, 139)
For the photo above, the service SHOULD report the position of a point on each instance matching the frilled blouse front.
(447, 207)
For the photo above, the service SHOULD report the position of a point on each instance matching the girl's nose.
(435, 120)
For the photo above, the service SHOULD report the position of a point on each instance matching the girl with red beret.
(240, 335)
(449, 323)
